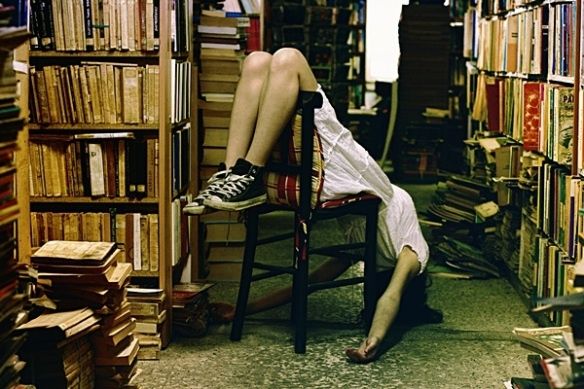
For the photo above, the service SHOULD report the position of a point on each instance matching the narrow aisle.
(473, 347)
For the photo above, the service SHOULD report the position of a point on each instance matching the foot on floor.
(366, 353)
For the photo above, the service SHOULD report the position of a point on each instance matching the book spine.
(89, 39)
(156, 30)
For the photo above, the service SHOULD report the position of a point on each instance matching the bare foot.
(365, 353)
(221, 312)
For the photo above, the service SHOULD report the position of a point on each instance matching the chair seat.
(335, 203)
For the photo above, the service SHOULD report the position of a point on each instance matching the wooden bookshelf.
(162, 130)
(549, 70)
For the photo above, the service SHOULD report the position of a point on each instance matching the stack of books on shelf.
(58, 351)
(147, 307)
(11, 300)
(190, 308)
(87, 274)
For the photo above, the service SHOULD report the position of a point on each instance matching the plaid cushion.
(285, 188)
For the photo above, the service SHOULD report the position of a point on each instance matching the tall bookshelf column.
(135, 80)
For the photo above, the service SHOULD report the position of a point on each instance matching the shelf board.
(93, 200)
(93, 54)
(93, 127)
(562, 79)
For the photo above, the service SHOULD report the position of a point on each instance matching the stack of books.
(11, 301)
(87, 274)
(457, 198)
(190, 309)
(222, 40)
(58, 352)
(11, 304)
(147, 307)
(561, 348)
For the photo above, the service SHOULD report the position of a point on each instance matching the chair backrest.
(295, 173)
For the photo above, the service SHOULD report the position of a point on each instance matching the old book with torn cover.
(70, 252)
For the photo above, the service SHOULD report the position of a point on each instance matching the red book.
(495, 104)
(532, 98)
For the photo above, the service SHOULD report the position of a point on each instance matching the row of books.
(135, 233)
(180, 90)
(95, 93)
(296, 14)
(67, 165)
(539, 41)
(12, 299)
(123, 25)
(538, 114)
(560, 199)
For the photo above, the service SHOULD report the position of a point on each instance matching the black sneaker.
(242, 189)
(196, 207)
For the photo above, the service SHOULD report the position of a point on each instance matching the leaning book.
(547, 341)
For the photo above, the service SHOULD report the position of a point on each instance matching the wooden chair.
(306, 214)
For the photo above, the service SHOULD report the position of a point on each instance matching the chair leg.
(300, 288)
(246, 273)
(370, 265)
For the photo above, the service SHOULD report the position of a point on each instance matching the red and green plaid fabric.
(284, 189)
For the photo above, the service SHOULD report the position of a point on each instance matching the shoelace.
(215, 183)
(235, 185)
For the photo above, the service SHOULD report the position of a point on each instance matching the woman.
(264, 102)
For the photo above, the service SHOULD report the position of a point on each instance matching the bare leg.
(246, 104)
(387, 306)
(327, 271)
(289, 73)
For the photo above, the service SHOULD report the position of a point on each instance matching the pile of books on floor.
(79, 274)
(464, 259)
(148, 309)
(561, 348)
(58, 351)
(457, 198)
(190, 309)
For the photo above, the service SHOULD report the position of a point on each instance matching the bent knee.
(257, 62)
(287, 58)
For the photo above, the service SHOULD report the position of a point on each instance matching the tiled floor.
(472, 348)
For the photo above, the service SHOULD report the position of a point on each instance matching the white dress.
(349, 169)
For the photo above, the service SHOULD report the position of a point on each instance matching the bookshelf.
(112, 148)
(528, 97)
(331, 34)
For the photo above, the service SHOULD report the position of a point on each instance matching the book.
(62, 325)
(73, 252)
(547, 341)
